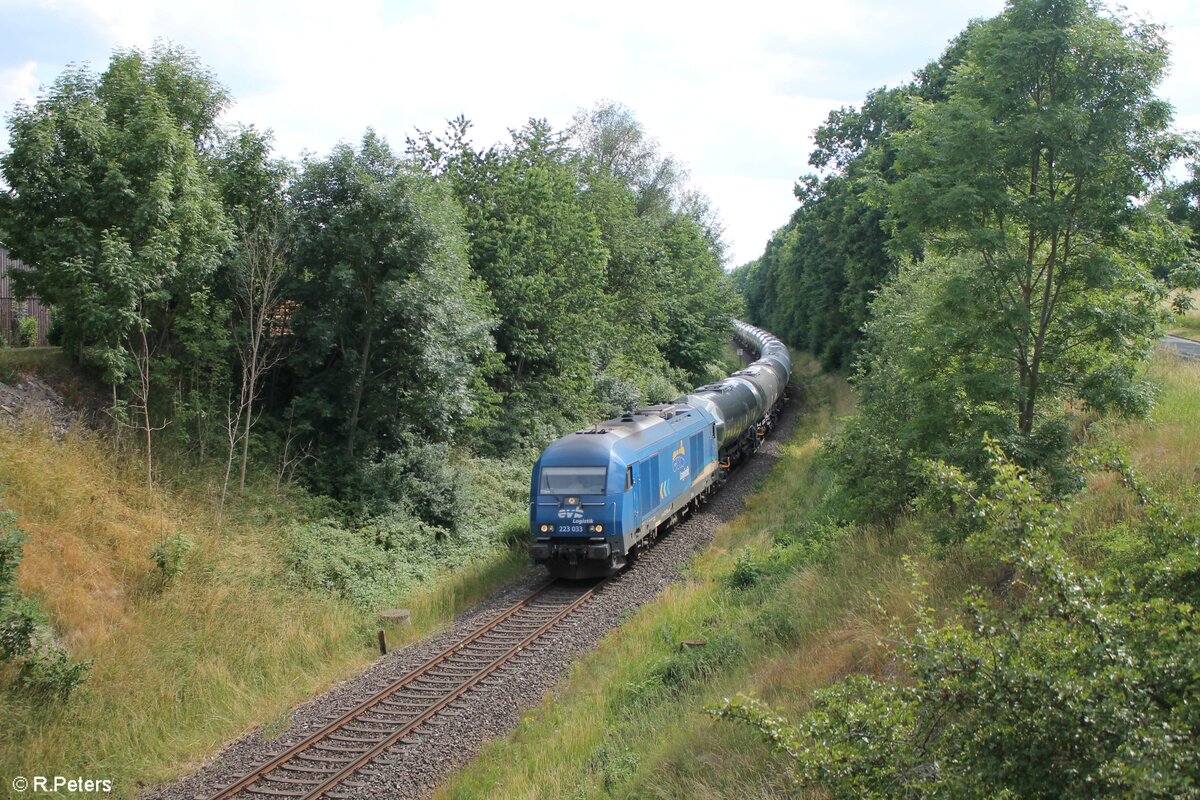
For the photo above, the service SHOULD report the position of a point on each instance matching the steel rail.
(450, 697)
(369, 705)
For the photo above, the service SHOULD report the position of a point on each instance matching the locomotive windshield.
(573, 480)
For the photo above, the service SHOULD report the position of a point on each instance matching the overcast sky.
(734, 90)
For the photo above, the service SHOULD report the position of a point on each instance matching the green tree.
(538, 248)
(1049, 128)
(392, 329)
(111, 203)
(670, 298)
(1069, 685)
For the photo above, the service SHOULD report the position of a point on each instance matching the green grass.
(631, 721)
(1188, 323)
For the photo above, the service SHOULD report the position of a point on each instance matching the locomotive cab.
(575, 502)
(599, 493)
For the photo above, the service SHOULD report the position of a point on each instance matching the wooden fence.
(13, 310)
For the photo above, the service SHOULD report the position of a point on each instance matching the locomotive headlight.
(599, 529)
(544, 529)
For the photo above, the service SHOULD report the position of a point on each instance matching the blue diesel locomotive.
(600, 493)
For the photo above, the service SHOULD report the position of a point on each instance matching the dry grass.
(87, 556)
(179, 668)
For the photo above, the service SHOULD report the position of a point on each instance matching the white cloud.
(733, 90)
(18, 85)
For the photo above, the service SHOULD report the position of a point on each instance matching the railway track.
(325, 761)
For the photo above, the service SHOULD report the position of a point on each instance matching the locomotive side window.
(628, 478)
(573, 480)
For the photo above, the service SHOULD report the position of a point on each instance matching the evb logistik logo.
(55, 784)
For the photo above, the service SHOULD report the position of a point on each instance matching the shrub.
(46, 666)
(1080, 687)
(168, 556)
(27, 332)
(659, 389)
(746, 572)
(417, 477)
(18, 617)
(48, 670)
(617, 395)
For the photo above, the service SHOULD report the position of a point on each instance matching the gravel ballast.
(414, 767)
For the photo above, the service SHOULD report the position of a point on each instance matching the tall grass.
(625, 724)
(180, 666)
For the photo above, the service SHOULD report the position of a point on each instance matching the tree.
(670, 296)
(392, 330)
(257, 272)
(1049, 128)
(111, 204)
(537, 247)
(611, 137)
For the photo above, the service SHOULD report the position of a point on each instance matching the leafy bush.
(617, 395)
(1080, 687)
(746, 572)
(417, 478)
(48, 670)
(27, 332)
(18, 618)
(371, 562)
(660, 389)
(345, 562)
(168, 556)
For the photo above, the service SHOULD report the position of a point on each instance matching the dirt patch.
(33, 398)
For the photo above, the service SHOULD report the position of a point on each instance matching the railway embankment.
(786, 604)
(418, 762)
(198, 624)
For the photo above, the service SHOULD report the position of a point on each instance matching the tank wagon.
(599, 494)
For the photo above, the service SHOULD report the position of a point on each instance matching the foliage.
(746, 572)
(1049, 127)
(27, 332)
(168, 556)
(392, 330)
(18, 617)
(1090, 679)
(537, 248)
(604, 270)
(110, 204)
(1032, 286)
(47, 669)
(815, 281)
